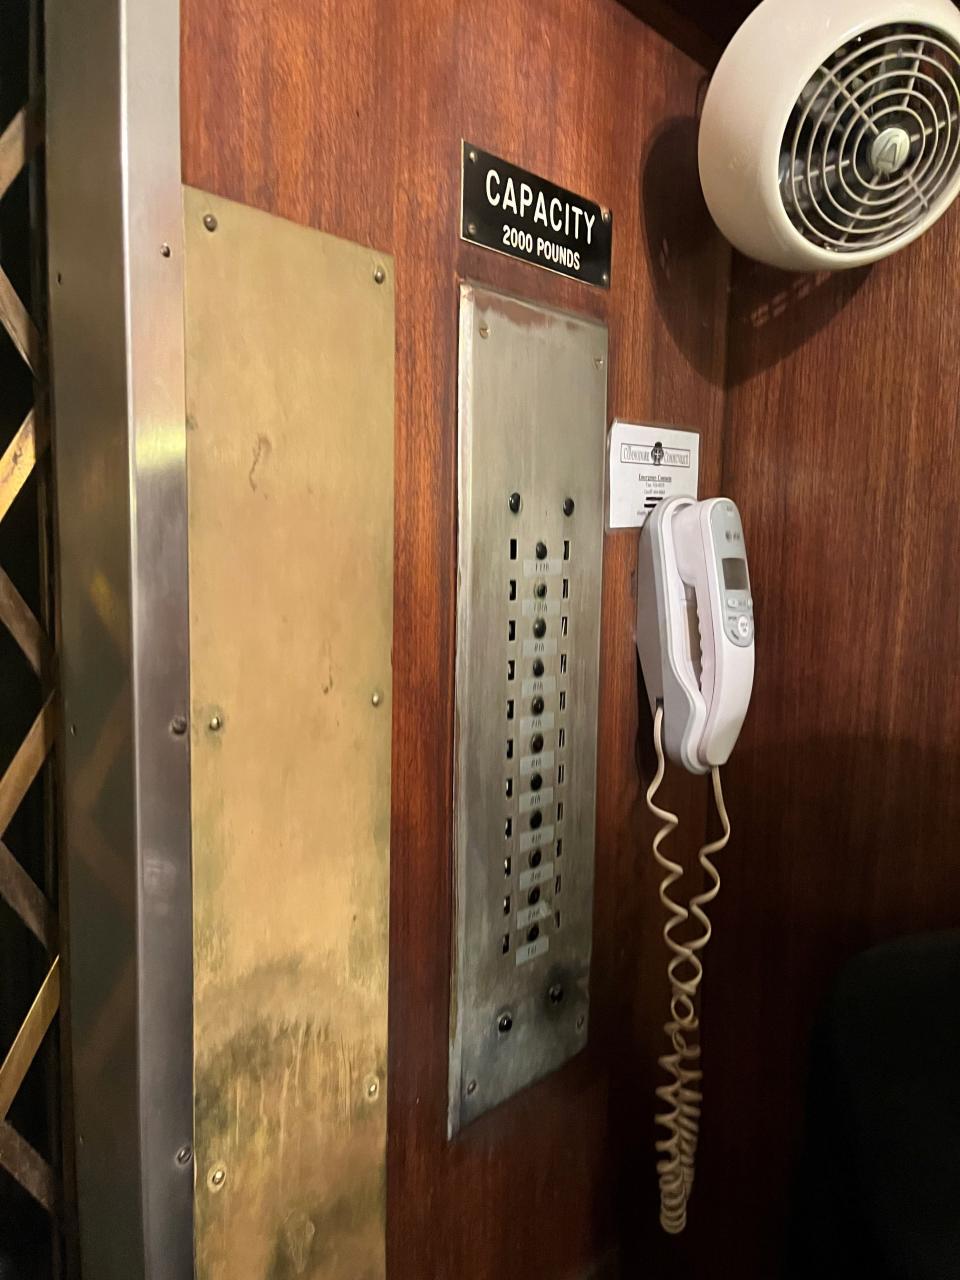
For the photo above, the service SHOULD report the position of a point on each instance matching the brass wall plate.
(290, 399)
(532, 426)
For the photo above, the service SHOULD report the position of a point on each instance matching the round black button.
(533, 933)
(540, 590)
(515, 503)
(537, 667)
(533, 897)
(541, 551)
(536, 706)
(536, 782)
(536, 858)
(536, 820)
(568, 506)
(536, 742)
(539, 627)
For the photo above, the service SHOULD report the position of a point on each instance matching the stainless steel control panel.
(532, 414)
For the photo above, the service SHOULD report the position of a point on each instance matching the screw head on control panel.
(210, 221)
(178, 726)
(183, 1155)
(379, 275)
(504, 1023)
(555, 994)
(541, 551)
(568, 506)
(515, 502)
(472, 1087)
(215, 724)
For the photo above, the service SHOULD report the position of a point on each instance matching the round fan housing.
(830, 133)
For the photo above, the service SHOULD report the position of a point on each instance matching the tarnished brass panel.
(290, 342)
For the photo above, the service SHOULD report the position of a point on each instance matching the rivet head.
(598, 361)
(606, 215)
(183, 1155)
(505, 1023)
(471, 228)
(605, 277)
(515, 502)
(472, 156)
(210, 221)
(217, 1177)
(178, 726)
(215, 723)
(472, 1087)
(379, 275)
(372, 1088)
(376, 697)
(165, 251)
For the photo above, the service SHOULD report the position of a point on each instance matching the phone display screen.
(735, 574)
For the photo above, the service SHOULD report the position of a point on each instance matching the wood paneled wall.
(842, 448)
(348, 117)
(840, 434)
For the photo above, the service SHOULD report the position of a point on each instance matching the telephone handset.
(695, 640)
(695, 627)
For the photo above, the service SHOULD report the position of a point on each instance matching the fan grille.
(873, 143)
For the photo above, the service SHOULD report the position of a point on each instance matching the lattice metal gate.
(31, 1190)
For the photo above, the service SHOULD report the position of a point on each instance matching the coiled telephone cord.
(682, 1096)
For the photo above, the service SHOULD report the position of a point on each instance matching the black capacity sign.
(515, 212)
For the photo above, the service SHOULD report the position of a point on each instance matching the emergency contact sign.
(515, 212)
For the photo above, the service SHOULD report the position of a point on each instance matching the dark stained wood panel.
(842, 448)
(349, 118)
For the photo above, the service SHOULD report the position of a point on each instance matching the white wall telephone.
(695, 640)
(693, 570)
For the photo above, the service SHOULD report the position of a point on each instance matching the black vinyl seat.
(878, 1191)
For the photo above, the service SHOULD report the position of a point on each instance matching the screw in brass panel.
(376, 697)
(183, 1155)
(165, 251)
(215, 723)
(484, 331)
(379, 275)
(472, 1087)
(178, 726)
(210, 221)
(216, 1177)
(371, 1088)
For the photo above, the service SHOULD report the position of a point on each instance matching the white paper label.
(530, 950)
(646, 465)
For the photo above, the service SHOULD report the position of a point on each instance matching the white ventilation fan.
(830, 134)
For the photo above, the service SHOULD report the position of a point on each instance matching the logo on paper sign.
(643, 455)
